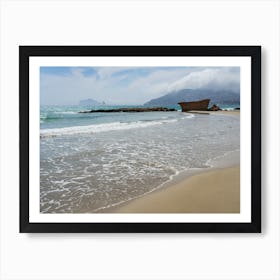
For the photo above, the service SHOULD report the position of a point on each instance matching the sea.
(91, 162)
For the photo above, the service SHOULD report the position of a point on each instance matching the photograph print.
(140, 139)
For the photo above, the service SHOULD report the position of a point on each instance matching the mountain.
(89, 102)
(217, 97)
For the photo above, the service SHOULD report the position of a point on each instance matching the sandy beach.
(215, 191)
(223, 112)
(231, 112)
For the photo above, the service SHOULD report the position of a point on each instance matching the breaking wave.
(99, 128)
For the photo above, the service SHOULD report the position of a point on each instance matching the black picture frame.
(25, 52)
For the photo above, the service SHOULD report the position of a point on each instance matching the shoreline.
(211, 191)
(222, 176)
(167, 198)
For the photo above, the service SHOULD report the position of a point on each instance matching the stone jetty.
(130, 110)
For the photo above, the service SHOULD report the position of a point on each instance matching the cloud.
(217, 79)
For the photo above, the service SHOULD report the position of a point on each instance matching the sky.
(129, 85)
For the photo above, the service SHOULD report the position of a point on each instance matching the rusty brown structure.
(200, 105)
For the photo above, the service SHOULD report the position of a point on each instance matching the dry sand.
(232, 112)
(216, 191)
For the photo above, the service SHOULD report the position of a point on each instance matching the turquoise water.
(92, 161)
(68, 116)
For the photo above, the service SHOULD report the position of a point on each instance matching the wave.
(188, 116)
(230, 108)
(57, 115)
(53, 132)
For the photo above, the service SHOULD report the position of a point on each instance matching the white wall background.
(146, 256)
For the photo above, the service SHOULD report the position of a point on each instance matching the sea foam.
(52, 132)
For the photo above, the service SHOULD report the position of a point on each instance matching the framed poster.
(140, 138)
